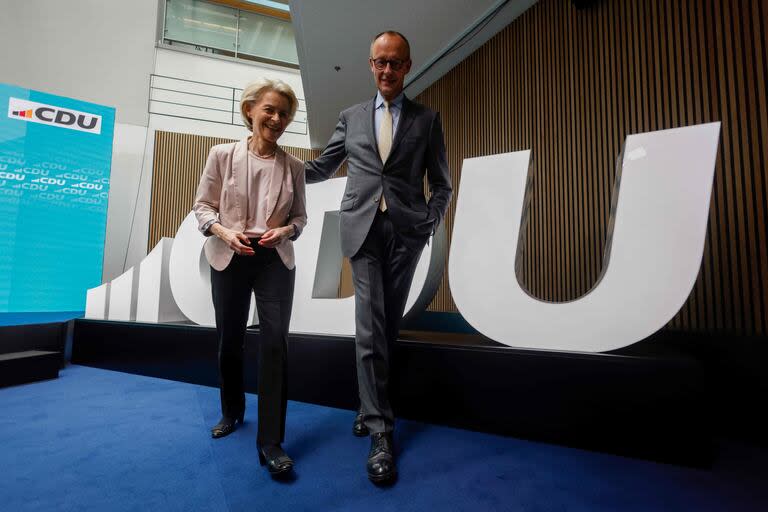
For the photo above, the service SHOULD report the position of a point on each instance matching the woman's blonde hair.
(254, 91)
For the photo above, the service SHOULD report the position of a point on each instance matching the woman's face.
(269, 116)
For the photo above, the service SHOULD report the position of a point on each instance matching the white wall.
(224, 73)
(89, 50)
(127, 161)
(220, 71)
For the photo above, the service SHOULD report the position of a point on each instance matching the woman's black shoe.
(277, 461)
(226, 426)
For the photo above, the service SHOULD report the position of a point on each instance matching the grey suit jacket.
(417, 148)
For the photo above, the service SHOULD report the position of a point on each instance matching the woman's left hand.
(275, 237)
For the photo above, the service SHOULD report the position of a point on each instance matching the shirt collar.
(396, 103)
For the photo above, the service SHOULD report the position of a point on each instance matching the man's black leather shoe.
(278, 463)
(381, 459)
(358, 427)
(226, 426)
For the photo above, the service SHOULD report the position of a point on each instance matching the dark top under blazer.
(417, 148)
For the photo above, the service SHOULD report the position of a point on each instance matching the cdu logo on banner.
(33, 112)
(55, 161)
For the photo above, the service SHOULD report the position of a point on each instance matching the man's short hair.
(393, 33)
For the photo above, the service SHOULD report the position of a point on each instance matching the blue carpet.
(108, 441)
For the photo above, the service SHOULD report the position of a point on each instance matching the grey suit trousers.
(382, 271)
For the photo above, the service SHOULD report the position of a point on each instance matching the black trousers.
(382, 271)
(272, 284)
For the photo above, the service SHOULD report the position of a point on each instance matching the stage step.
(28, 366)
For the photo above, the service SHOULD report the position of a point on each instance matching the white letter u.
(656, 247)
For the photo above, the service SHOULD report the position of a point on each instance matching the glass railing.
(219, 29)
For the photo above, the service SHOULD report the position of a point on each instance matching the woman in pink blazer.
(251, 205)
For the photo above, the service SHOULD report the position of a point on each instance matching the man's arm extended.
(329, 161)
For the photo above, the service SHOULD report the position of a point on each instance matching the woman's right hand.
(236, 240)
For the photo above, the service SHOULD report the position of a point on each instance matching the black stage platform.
(31, 352)
(49, 336)
(643, 403)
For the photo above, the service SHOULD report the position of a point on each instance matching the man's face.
(389, 64)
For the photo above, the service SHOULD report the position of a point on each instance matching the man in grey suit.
(389, 143)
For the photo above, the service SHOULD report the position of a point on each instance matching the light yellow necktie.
(385, 143)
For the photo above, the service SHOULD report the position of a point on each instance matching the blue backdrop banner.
(55, 159)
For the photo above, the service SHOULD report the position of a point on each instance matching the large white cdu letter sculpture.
(155, 302)
(174, 281)
(656, 249)
(318, 266)
(318, 249)
(123, 293)
(97, 302)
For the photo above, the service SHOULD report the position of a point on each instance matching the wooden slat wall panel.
(571, 84)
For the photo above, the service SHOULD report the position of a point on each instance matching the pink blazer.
(221, 196)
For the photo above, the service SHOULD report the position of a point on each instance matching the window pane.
(267, 37)
(201, 23)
